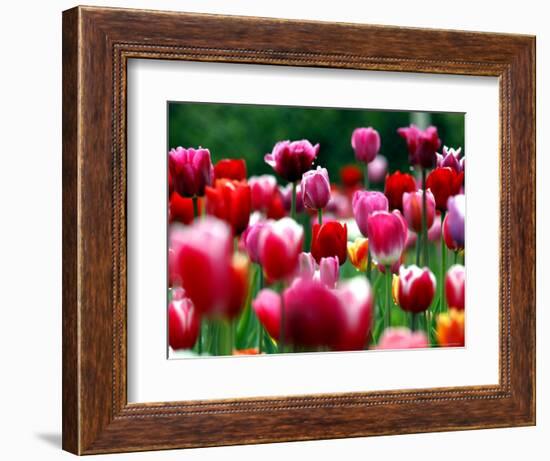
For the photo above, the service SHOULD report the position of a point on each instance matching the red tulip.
(455, 286)
(366, 144)
(421, 144)
(386, 237)
(276, 209)
(396, 184)
(204, 264)
(444, 182)
(313, 313)
(230, 168)
(262, 190)
(356, 301)
(191, 170)
(183, 324)
(280, 244)
(402, 338)
(351, 176)
(181, 209)
(329, 239)
(231, 201)
(267, 306)
(412, 209)
(416, 288)
(292, 159)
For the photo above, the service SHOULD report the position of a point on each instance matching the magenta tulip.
(315, 188)
(450, 158)
(421, 144)
(183, 324)
(455, 280)
(292, 159)
(251, 238)
(434, 232)
(416, 288)
(191, 170)
(386, 237)
(280, 245)
(329, 271)
(262, 189)
(456, 207)
(412, 209)
(366, 144)
(402, 338)
(364, 204)
(267, 306)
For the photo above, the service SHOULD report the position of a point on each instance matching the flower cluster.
(292, 261)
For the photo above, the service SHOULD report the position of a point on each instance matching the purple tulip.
(191, 170)
(365, 143)
(365, 203)
(456, 206)
(329, 271)
(315, 188)
(292, 159)
(450, 158)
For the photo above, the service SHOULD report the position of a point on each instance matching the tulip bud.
(366, 144)
(450, 328)
(396, 184)
(329, 271)
(457, 209)
(306, 266)
(455, 286)
(450, 158)
(230, 168)
(292, 159)
(358, 252)
(231, 201)
(416, 288)
(364, 204)
(402, 338)
(412, 209)
(329, 239)
(267, 306)
(421, 144)
(191, 170)
(316, 188)
(183, 324)
(386, 237)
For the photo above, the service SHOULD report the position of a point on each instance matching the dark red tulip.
(180, 209)
(444, 182)
(191, 170)
(329, 239)
(276, 209)
(396, 184)
(183, 324)
(421, 144)
(231, 201)
(416, 288)
(292, 159)
(230, 168)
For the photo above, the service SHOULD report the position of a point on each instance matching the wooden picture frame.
(97, 43)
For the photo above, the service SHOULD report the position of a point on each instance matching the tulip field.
(277, 245)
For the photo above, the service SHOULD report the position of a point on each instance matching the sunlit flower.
(450, 328)
(292, 159)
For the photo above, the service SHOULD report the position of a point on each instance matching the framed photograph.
(271, 231)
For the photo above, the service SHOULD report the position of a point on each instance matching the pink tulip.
(364, 204)
(313, 313)
(402, 338)
(357, 303)
(191, 170)
(339, 204)
(329, 271)
(262, 189)
(386, 237)
(450, 158)
(377, 169)
(455, 280)
(251, 238)
(412, 209)
(279, 247)
(267, 306)
(421, 144)
(457, 209)
(286, 195)
(315, 188)
(292, 159)
(365, 143)
(183, 324)
(306, 266)
(434, 232)
(416, 288)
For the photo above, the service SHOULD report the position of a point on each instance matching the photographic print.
(303, 229)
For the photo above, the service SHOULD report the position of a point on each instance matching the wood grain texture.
(97, 43)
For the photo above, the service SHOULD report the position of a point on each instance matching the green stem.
(366, 178)
(282, 328)
(293, 202)
(424, 220)
(442, 270)
(260, 286)
(369, 264)
(195, 206)
(320, 216)
(199, 340)
(387, 322)
(456, 257)
(418, 245)
(414, 321)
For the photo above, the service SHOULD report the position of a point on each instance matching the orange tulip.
(450, 328)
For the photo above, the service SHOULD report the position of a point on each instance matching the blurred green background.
(251, 131)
